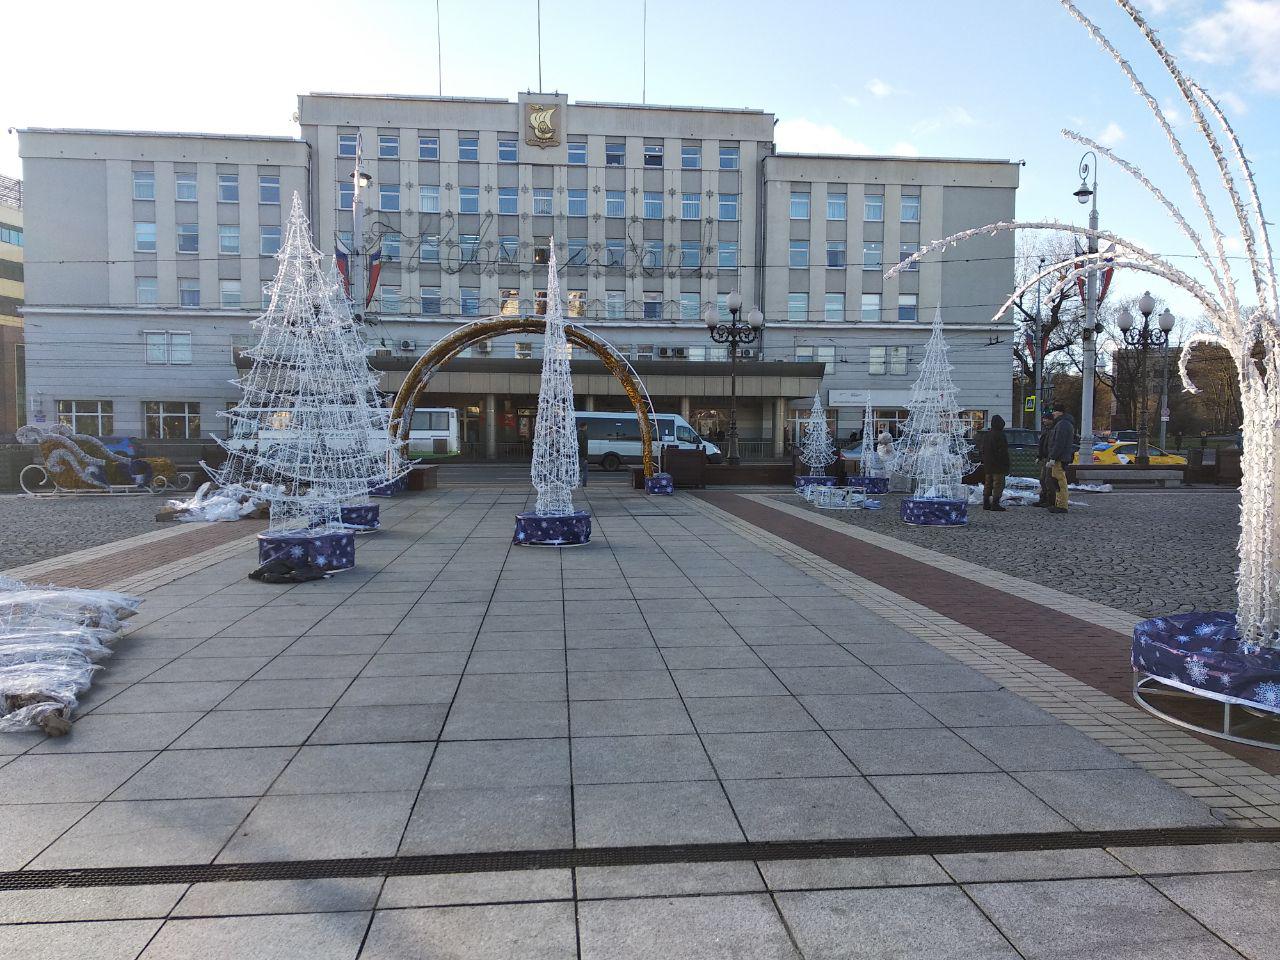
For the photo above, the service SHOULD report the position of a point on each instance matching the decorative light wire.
(868, 460)
(555, 437)
(307, 422)
(816, 448)
(931, 451)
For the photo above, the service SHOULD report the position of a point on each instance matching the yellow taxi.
(1126, 452)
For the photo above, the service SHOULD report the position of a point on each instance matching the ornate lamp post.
(1088, 192)
(1143, 339)
(1166, 323)
(735, 333)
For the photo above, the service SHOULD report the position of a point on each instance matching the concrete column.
(685, 408)
(490, 427)
(779, 424)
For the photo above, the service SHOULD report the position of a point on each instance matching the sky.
(955, 78)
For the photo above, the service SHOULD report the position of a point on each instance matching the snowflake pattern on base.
(661, 484)
(328, 552)
(934, 512)
(539, 530)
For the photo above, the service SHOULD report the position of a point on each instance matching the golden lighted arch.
(467, 335)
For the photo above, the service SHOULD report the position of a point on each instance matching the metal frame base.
(1149, 685)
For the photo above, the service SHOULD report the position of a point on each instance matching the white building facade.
(147, 253)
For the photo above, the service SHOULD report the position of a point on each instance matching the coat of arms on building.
(543, 131)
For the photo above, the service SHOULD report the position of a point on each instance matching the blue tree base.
(563, 530)
(364, 517)
(662, 484)
(874, 485)
(802, 482)
(929, 512)
(391, 487)
(309, 552)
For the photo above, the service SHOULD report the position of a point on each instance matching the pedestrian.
(1061, 445)
(583, 447)
(995, 464)
(1177, 440)
(1042, 461)
(884, 448)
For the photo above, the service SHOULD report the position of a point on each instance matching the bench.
(1129, 475)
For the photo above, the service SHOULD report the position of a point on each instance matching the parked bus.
(433, 432)
(614, 438)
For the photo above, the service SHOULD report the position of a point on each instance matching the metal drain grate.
(626, 856)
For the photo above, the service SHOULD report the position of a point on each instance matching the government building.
(148, 254)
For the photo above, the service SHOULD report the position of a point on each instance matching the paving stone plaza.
(727, 727)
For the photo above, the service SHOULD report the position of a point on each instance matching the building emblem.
(542, 126)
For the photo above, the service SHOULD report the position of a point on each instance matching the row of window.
(509, 151)
(146, 292)
(11, 235)
(872, 207)
(690, 205)
(652, 254)
(185, 187)
(188, 238)
(872, 254)
(161, 419)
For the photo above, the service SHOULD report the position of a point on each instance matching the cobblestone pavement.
(35, 529)
(1147, 552)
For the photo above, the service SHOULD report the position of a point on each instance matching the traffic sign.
(1030, 405)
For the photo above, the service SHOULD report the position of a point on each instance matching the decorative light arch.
(486, 328)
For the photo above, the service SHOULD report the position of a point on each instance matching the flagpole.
(358, 177)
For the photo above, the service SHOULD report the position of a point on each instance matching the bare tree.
(1061, 311)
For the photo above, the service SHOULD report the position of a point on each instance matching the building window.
(540, 303)
(92, 417)
(653, 306)
(644, 351)
(509, 302)
(690, 307)
(727, 255)
(508, 248)
(428, 148)
(730, 158)
(430, 297)
(468, 148)
(910, 209)
(690, 206)
(653, 205)
(389, 197)
(171, 419)
(833, 307)
(542, 202)
(799, 205)
(576, 252)
(797, 306)
(542, 250)
(388, 146)
(269, 241)
(798, 254)
(188, 292)
(524, 350)
(185, 187)
(578, 154)
(729, 206)
(615, 154)
(577, 303)
(872, 255)
(470, 247)
(228, 188)
(615, 252)
(229, 294)
(188, 238)
(836, 255)
(873, 208)
(870, 312)
(898, 361)
(157, 346)
(827, 357)
(690, 254)
(470, 299)
(804, 353)
(878, 361)
(269, 189)
(508, 200)
(145, 291)
(228, 238)
(653, 254)
(615, 203)
(179, 347)
(837, 206)
(653, 154)
(144, 237)
(906, 250)
(577, 203)
(508, 152)
(429, 251)
(390, 247)
(11, 235)
(388, 298)
(346, 195)
(429, 198)
(468, 199)
(614, 305)
(267, 287)
(346, 144)
(907, 304)
(691, 157)
(144, 185)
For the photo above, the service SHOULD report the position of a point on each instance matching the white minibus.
(614, 438)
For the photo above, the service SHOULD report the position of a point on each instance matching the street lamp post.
(360, 182)
(735, 333)
(1166, 324)
(1088, 192)
(1143, 339)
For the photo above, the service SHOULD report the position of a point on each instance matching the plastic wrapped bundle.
(43, 697)
(22, 606)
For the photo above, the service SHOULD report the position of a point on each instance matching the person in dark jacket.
(583, 447)
(1042, 461)
(995, 464)
(1062, 443)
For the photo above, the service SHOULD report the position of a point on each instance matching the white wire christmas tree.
(305, 425)
(932, 448)
(816, 448)
(555, 438)
(868, 460)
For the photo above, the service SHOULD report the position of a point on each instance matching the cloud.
(1245, 31)
(1112, 135)
(1232, 102)
(851, 100)
(878, 88)
(1172, 112)
(904, 149)
(951, 117)
(805, 136)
